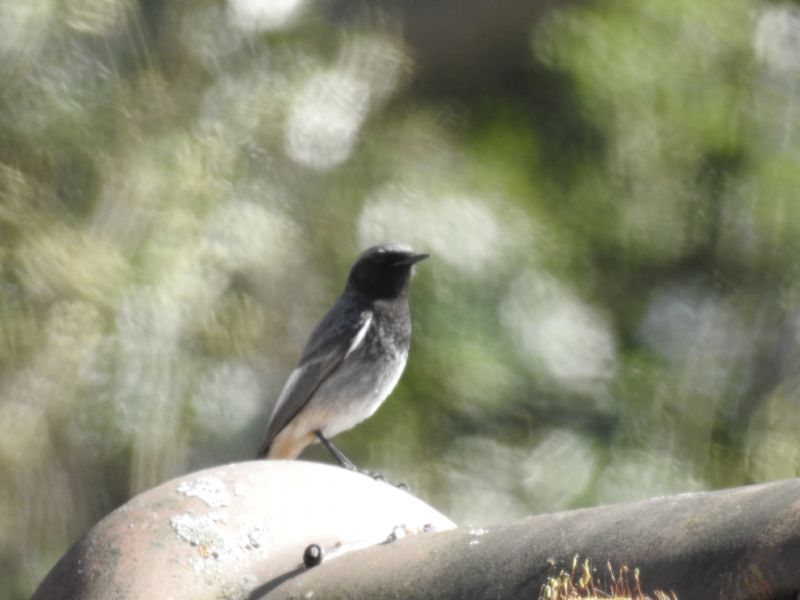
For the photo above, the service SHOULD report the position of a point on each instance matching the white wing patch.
(287, 388)
(362, 332)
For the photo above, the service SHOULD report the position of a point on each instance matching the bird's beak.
(412, 259)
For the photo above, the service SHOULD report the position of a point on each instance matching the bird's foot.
(374, 474)
(378, 477)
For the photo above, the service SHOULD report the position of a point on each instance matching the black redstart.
(353, 359)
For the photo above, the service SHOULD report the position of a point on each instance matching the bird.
(352, 360)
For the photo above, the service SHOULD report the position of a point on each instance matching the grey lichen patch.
(203, 532)
(254, 537)
(215, 541)
(211, 490)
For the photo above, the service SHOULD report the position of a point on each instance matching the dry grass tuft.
(580, 582)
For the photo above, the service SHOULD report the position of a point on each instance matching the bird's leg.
(342, 459)
(337, 454)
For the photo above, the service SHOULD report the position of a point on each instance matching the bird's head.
(382, 272)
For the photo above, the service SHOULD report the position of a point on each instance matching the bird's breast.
(363, 381)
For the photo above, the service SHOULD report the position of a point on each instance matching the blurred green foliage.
(611, 310)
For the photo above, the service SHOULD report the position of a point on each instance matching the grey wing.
(340, 332)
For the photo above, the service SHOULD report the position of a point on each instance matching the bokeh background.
(610, 192)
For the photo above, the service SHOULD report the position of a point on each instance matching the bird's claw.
(378, 477)
(374, 474)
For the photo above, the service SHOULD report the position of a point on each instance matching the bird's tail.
(284, 446)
